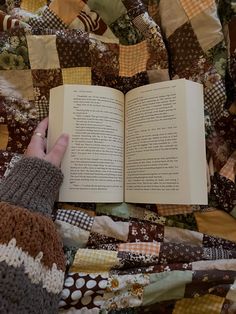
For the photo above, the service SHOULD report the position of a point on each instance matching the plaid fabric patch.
(148, 248)
(76, 218)
(201, 305)
(42, 108)
(47, 20)
(77, 75)
(193, 8)
(94, 260)
(32, 5)
(141, 23)
(133, 59)
(215, 99)
(166, 210)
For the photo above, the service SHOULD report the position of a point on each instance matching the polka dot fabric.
(83, 291)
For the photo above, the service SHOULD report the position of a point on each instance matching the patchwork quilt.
(131, 258)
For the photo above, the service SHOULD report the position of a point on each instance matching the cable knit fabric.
(32, 262)
(33, 184)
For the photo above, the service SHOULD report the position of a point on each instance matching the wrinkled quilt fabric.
(131, 258)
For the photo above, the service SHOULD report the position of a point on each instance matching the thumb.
(58, 150)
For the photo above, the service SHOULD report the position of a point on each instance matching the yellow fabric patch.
(88, 260)
(133, 59)
(32, 5)
(200, 305)
(193, 8)
(217, 223)
(80, 75)
(3, 136)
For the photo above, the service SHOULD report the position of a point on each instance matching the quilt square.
(206, 304)
(73, 48)
(42, 51)
(122, 83)
(133, 59)
(149, 248)
(32, 5)
(47, 79)
(172, 16)
(94, 260)
(105, 57)
(215, 99)
(184, 48)
(77, 76)
(16, 83)
(134, 8)
(13, 50)
(193, 8)
(207, 28)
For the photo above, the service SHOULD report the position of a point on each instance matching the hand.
(37, 145)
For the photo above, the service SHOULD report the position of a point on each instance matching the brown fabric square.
(140, 231)
(73, 48)
(44, 80)
(184, 48)
(124, 84)
(105, 57)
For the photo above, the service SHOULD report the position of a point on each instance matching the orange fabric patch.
(141, 247)
(193, 8)
(133, 59)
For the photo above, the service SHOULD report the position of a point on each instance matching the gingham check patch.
(47, 20)
(141, 247)
(214, 100)
(76, 218)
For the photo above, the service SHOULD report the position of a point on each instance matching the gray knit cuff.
(33, 183)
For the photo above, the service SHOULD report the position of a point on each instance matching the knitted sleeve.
(32, 262)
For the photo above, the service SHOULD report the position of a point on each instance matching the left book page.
(93, 165)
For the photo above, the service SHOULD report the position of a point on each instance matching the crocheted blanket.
(131, 258)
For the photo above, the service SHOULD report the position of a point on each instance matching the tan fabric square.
(114, 229)
(194, 7)
(172, 16)
(229, 168)
(172, 234)
(32, 5)
(207, 28)
(159, 75)
(16, 83)
(133, 59)
(43, 52)
(88, 260)
(3, 136)
(80, 75)
(208, 222)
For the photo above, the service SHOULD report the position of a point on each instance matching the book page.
(156, 160)
(93, 163)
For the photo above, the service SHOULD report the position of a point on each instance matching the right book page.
(165, 159)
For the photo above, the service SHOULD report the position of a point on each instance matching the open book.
(147, 146)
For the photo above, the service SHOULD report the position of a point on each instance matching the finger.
(42, 127)
(57, 152)
(38, 139)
